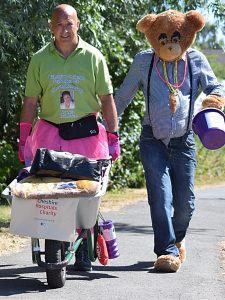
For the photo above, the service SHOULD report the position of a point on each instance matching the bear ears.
(192, 17)
(146, 22)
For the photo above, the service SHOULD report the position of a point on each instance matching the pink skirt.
(45, 135)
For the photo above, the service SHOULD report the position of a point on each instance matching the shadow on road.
(125, 227)
(88, 276)
(138, 267)
(13, 280)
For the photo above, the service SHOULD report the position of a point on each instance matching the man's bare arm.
(29, 109)
(109, 112)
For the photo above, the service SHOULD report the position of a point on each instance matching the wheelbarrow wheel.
(55, 253)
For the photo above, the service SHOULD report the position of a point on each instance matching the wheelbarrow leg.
(35, 248)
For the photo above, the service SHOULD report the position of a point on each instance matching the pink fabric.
(24, 133)
(45, 135)
(85, 235)
(114, 145)
(24, 130)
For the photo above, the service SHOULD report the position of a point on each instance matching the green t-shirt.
(68, 88)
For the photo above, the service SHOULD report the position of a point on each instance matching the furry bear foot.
(182, 250)
(167, 263)
(214, 101)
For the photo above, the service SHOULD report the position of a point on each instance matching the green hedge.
(9, 166)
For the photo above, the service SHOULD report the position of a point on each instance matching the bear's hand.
(214, 101)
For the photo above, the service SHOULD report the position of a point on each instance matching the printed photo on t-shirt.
(67, 100)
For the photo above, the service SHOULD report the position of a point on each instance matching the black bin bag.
(66, 165)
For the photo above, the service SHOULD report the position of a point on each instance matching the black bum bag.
(84, 127)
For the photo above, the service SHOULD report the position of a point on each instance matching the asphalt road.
(131, 276)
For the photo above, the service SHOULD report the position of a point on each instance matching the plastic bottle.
(109, 234)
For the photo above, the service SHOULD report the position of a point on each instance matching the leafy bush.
(9, 166)
(108, 25)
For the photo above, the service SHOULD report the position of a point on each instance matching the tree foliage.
(108, 25)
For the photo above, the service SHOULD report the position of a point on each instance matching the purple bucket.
(209, 125)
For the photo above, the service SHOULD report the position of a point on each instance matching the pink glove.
(114, 145)
(25, 129)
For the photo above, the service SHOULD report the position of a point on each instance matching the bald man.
(69, 64)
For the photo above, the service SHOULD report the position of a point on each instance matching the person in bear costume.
(170, 75)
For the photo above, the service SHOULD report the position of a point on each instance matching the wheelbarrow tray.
(54, 219)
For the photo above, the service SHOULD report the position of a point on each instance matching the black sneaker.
(82, 262)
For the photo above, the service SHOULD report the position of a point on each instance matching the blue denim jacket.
(166, 125)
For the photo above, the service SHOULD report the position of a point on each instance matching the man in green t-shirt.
(67, 80)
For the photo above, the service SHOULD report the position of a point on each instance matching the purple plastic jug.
(109, 234)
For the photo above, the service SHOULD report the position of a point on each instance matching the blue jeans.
(169, 173)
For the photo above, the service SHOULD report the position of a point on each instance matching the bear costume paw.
(214, 101)
(182, 250)
(167, 263)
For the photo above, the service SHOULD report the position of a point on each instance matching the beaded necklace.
(173, 88)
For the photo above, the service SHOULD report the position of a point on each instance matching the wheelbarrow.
(59, 247)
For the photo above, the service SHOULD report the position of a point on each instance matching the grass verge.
(4, 216)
